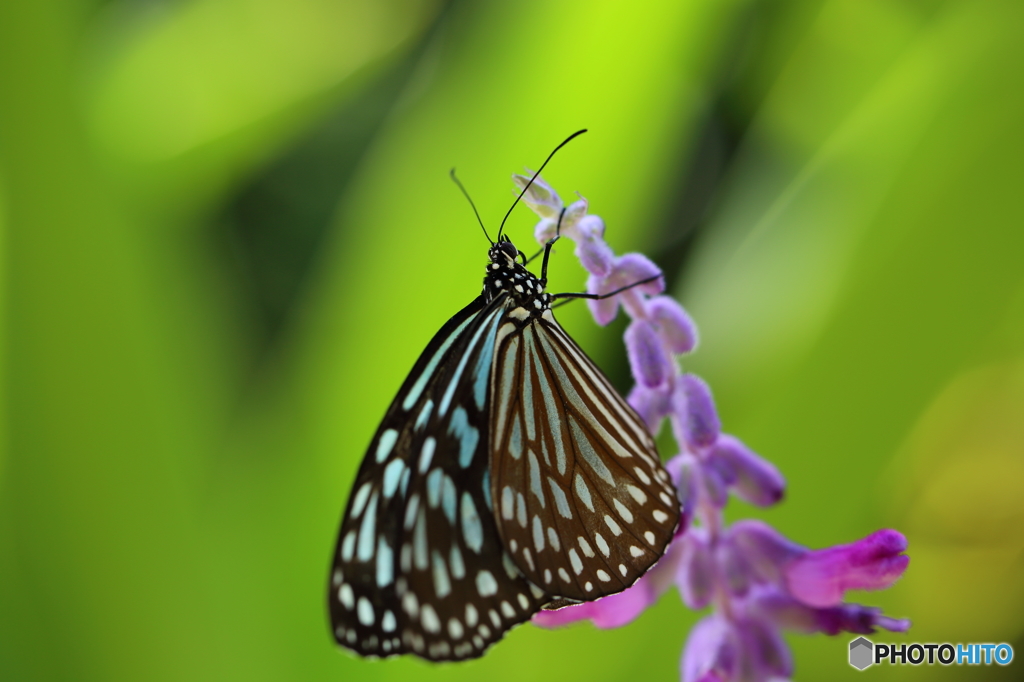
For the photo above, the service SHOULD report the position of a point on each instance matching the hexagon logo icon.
(861, 653)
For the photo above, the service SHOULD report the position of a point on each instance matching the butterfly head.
(503, 253)
(506, 275)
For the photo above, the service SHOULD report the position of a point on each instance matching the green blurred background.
(228, 231)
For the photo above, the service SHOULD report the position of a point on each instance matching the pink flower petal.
(820, 578)
(619, 609)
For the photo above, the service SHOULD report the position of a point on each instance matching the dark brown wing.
(419, 566)
(581, 499)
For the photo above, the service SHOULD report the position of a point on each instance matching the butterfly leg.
(598, 297)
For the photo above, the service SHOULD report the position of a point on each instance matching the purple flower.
(756, 581)
(820, 578)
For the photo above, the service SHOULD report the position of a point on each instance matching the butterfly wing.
(582, 501)
(419, 566)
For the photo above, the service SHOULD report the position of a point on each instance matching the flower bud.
(696, 574)
(714, 486)
(674, 324)
(595, 255)
(589, 226)
(635, 267)
(544, 230)
(683, 469)
(540, 197)
(711, 653)
(733, 568)
(754, 479)
(766, 550)
(604, 310)
(697, 410)
(652, 404)
(574, 213)
(648, 360)
(765, 654)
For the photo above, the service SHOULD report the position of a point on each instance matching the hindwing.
(581, 499)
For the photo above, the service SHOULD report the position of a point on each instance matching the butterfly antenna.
(477, 213)
(564, 142)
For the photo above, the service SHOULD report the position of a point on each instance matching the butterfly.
(507, 476)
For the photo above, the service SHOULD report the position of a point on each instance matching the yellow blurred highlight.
(959, 487)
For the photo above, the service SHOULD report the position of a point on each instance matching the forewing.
(419, 566)
(581, 499)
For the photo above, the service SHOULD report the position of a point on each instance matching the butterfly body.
(507, 475)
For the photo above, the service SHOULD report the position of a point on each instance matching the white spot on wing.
(455, 563)
(577, 564)
(428, 616)
(346, 596)
(427, 453)
(348, 546)
(362, 495)
(424, 415)
(561, 501)
(385, 563)
(553, 539)
(385, 444)
(624, 513)
(639, 495)
(535, 486)
(364, 610)
(507, 503)
(392, 476)
(472, 529)
(364, 549)
(589, 454)
(442, 584)
(583, 492)
(486, 585)
(455, 628)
